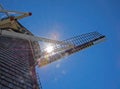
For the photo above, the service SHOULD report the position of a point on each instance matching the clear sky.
(97, 67)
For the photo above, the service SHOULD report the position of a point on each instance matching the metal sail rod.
(29, 37)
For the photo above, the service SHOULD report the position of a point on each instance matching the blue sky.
(97, 67)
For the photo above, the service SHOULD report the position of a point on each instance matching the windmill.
(56, 50)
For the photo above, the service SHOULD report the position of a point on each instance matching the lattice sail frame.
(77, 43)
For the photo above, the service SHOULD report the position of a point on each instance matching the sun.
(49, 48)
